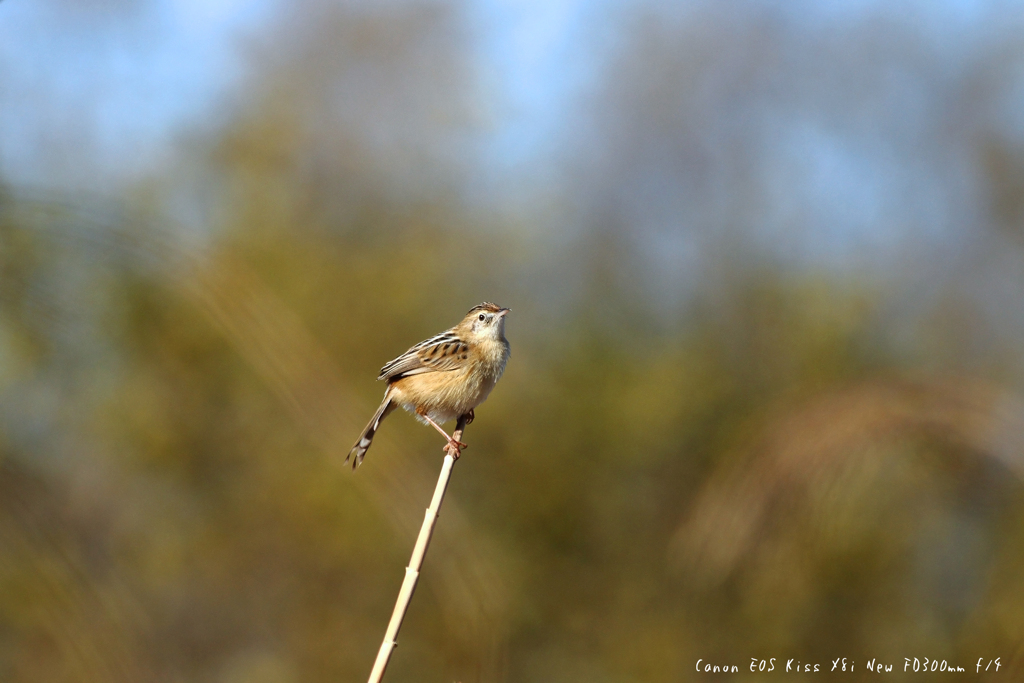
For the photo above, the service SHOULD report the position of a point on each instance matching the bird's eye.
(482, 316)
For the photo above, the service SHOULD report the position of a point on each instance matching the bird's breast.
(492, 355)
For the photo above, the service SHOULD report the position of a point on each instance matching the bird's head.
(486, 321)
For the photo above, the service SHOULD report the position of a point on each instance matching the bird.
(444, 377)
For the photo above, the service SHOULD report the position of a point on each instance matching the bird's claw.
(454, 448)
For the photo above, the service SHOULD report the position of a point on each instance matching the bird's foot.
(454, 448)
(470, 416)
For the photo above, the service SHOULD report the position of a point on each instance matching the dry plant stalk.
(412, 572)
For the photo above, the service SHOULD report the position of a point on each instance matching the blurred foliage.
(769, 466)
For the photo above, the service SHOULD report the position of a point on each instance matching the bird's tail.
(358, 451)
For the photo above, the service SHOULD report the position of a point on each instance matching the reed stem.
(412, 572)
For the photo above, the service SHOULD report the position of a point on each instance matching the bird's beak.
(502, 312)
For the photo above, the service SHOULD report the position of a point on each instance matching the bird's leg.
(436, 426)
(460, 426)
(452, 443)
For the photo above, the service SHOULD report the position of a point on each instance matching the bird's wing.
(437, 354)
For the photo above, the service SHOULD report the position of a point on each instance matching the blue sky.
(132, 99)
(87, 69)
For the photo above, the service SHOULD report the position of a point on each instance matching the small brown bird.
(444, 377)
